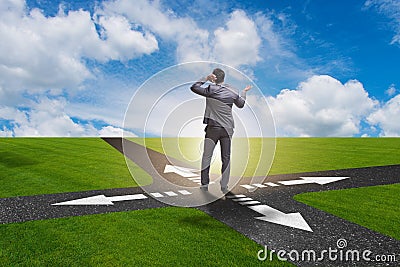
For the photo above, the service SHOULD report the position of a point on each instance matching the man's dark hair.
(220, 74)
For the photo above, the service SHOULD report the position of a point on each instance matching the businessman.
(219, 122)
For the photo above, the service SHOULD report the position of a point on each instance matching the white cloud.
(391, 91)
(321, 106)
(276, 36)
(123, 42)
(111, 131)
(6, 132)
(391, 9)
(9, 113)
(47, 117)
(386, 117)
(238, 43)
(41, 52)
(192, 41)
(44, 55)
(12, 8)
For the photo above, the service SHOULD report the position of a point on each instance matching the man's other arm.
(241, 99)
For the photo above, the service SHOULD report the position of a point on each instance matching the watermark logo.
(339, 253)
(341, 243)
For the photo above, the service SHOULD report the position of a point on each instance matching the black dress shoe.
(224, 190)
(204, 188)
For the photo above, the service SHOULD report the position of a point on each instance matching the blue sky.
(326, 68)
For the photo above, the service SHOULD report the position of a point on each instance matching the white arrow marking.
(252, 202)
(259, 185)
(247, 186)
(184, 192)
(272, 215)
(313, 180)
(157, 194)
(243, 199)
(184, 172)
(100, 200)
(171, 194)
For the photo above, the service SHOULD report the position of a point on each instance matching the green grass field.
(33, 166)
(154, 237)
(295, 155)
(166, 236)
(377, 206)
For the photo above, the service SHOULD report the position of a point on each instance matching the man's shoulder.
(224, 89)
(230, 88)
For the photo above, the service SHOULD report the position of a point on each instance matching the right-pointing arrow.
(182, 171)
(313, 180)
(272, 215)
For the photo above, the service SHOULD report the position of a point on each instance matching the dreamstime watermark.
(338, 253)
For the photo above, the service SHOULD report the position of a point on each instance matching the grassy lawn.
(377, 207)
(153, 237)
(294, 155)
(32, 166)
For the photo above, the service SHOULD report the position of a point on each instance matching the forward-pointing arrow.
(100, 200)
(313, 180)
(272, 215)
(182, 171)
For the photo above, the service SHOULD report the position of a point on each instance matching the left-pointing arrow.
(100, 200)
(182, 171)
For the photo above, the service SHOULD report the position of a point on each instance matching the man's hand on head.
(212, 78)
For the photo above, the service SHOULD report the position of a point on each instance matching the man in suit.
(218, 117)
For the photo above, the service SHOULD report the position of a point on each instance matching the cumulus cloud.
(123, 43)
(238, 43)
(46, 56)
(6, 132)
(391, 9)
(386, 117)
(321, 106)
(42, 52)
(47, 117)
(391, 91)
(111, 131)
(191, 40)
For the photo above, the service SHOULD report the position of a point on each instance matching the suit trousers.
(213, 135)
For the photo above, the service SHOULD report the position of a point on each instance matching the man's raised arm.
(241, 100)
(204, 91)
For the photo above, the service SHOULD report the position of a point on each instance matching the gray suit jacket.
(219, 102)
